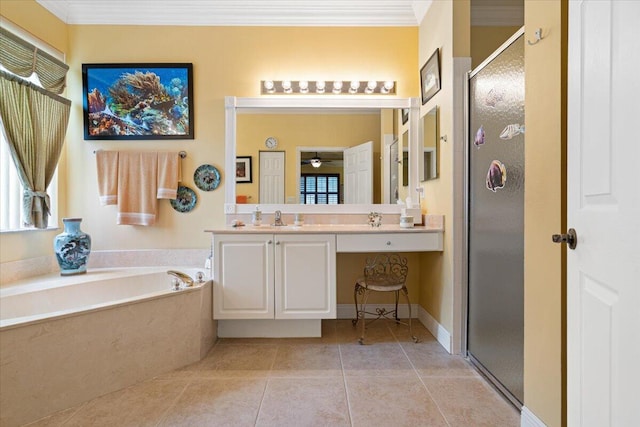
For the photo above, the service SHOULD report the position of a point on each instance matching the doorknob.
(571, 238)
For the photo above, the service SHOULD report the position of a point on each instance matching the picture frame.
(131, 101)
(244, 173)
(405, 115)
(430, 77)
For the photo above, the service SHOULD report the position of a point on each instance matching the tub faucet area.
(184, 278)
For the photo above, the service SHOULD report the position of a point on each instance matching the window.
(11, 215)
(320, 189)
(11, 190)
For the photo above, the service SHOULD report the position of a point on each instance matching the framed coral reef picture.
(138, 101)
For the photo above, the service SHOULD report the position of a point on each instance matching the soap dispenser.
(256, 217)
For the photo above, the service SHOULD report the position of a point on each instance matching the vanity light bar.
(320, 87)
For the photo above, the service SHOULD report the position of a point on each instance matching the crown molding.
(240, 12)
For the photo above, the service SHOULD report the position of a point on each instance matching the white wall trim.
(529, 419)
(437, 330)
(233, 12)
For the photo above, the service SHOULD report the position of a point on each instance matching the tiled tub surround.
(12, 271)
(53, 357)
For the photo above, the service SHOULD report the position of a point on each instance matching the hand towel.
(107, 167)
(168, 175)
(137, 188)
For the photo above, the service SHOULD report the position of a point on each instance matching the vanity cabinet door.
(305, 276)
(243, 276)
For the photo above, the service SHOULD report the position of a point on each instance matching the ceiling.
(374, 13)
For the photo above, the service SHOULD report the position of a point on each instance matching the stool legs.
(361, 309)
(406, 294)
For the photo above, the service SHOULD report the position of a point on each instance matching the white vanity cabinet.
(274, 276)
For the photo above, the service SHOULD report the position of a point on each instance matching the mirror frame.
(233, 104)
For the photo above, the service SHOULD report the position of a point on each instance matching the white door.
(243, 276)
(271, 177)
(603, 272)
(358, 173)
(305, 273)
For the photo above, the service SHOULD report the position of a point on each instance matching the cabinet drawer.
(389, 242)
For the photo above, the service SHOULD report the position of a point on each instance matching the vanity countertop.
(327, 228)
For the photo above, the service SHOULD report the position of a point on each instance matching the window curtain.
(23, 59)
(35, 123)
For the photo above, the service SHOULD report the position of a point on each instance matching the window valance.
(23, 59)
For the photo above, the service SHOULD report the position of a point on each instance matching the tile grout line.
(424, 385)
(266, 384)
(174, 404)
(344, 382)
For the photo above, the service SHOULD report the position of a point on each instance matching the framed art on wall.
(243, 169)
(430, 77)
(138, 101)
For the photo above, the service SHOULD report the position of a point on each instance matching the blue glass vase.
(72, 248)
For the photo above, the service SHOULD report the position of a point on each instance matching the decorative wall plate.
(186, 200)
(206, 177)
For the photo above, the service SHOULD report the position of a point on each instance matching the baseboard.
(269, 328)
(348, 311)
(437, 330)
(529, 419)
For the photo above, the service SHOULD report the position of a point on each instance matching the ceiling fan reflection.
(315, 161)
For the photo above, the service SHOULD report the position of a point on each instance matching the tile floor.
(328, 381)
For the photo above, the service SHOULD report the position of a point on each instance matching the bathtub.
(66, 340)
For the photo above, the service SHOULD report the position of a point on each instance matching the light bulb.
(371, 86)
(320, 86)
(286, 86)
(337, 86)
(304, 86)
(354, 86)
(268, 86)
(386, 88)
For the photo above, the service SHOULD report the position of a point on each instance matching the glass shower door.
(495, 332)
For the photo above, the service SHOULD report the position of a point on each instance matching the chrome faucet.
(184, 278)
(278, 219)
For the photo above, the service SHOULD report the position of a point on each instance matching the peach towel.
(107, 166)
(137, 188)
(168, 175)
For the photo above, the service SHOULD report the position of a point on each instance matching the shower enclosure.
(495, 317)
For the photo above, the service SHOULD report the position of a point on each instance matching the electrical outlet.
(229, 208)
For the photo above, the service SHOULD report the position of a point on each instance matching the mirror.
(306, 128)
(429, 161)
(314, 144)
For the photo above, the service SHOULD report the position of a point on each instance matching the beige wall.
(436, 291)
(226, 61)
(485, 40)
(545, 213)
